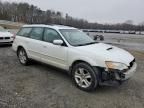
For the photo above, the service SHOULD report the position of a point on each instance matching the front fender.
(84, 59)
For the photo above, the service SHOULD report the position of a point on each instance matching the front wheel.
(84, 77)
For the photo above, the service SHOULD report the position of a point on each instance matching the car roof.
(57, 27)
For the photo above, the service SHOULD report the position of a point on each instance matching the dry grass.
(139, 54)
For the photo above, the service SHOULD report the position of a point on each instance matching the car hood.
(5, 34)
(107, 53)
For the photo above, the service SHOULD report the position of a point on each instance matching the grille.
(1, 38)
(7, 37)
(131, 63)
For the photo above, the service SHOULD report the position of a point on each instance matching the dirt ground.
(41, 86)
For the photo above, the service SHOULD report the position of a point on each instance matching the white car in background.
(5, 36)
(90, 63)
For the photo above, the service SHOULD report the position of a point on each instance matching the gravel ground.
(42, 86)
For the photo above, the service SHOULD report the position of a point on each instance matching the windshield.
(76, 37)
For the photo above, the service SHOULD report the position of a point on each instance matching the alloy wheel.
(83, 77)
(22, 56)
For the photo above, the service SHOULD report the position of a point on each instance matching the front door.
(53, 54)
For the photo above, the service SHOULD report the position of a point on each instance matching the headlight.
(116, 65)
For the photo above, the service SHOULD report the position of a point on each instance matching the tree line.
(30, 14)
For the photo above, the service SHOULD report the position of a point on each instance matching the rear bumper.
(14, 46)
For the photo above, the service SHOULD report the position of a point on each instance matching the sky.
(101, 11)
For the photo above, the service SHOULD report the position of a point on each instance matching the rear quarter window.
(24, 32)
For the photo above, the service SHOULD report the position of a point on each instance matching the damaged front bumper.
(126, 75)
(111, 77)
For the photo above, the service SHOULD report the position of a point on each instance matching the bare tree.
(23, 12)
(129, 22)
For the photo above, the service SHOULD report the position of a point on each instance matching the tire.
(22, 56)
(84, 77)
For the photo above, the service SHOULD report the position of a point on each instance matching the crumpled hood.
(5, 34)
(107, 53)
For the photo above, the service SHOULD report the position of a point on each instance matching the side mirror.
(57, 42)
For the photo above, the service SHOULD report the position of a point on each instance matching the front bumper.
(128, 74)
(8, 40)
(2, 43)
(111, 76)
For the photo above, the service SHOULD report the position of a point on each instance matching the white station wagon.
(89, 63)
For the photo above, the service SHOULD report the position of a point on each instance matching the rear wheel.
(22, 56)
(84, 77)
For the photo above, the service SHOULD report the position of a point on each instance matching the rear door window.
(24, 32)
(37, 33)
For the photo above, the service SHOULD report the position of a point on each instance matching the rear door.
(35, 43)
